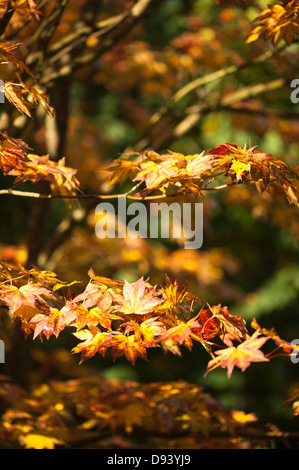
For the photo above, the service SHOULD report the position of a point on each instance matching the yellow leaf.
(38, 441)
(242, 417)
(239, 168)
(241, 356)
(255, 34)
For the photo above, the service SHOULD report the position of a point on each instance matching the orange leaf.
(128, 346)
(95, 294)
(136, 299)
(15, 297)
(281, 343)
(55, 322)
(231, 327)
(94, 341)
(241, 356)
(181, 331)
(277, 22)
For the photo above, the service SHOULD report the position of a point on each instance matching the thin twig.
(239, 95)
(110, 35)
(36, 195)
(201, 81)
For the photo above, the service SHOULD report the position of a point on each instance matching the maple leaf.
(155, 174)
(62, 178)
(8, 56)
(15, 93)
(240, 168)
(147, 331)
(234, 159)
(224, 149)
(159, 171)
(241, 356)
(217, 320)
(15, 297)
(150, 329)
(95, 294)
(209, 327)
(7, 141)
(278, 21)
(129, 347)
(94, 317)
(55, 322)
(121, 170)
(198, 165)
(181, 332)
(12, 153)
(94, 340)
(231, 327)
(281, 343)
(27, 6)
(39, 97)
(47, 278)
(136, 299)
(105, 281)
(12, 160)
(176, 298)
(262, 168)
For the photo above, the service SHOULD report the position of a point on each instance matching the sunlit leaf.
(241, 356)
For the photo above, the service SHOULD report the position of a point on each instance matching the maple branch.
(251, 91)
(245, 93)
(109, 36)
(6, 17)
(284, 114)
(36, 195)
(197, 83)
(56, 132)
(47, 27)
(44, 34)
(70, 41)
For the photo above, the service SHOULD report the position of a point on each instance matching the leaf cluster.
(128, 319)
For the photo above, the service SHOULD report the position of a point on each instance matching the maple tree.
(48, 46)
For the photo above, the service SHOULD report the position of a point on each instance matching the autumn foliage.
(160, 309)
